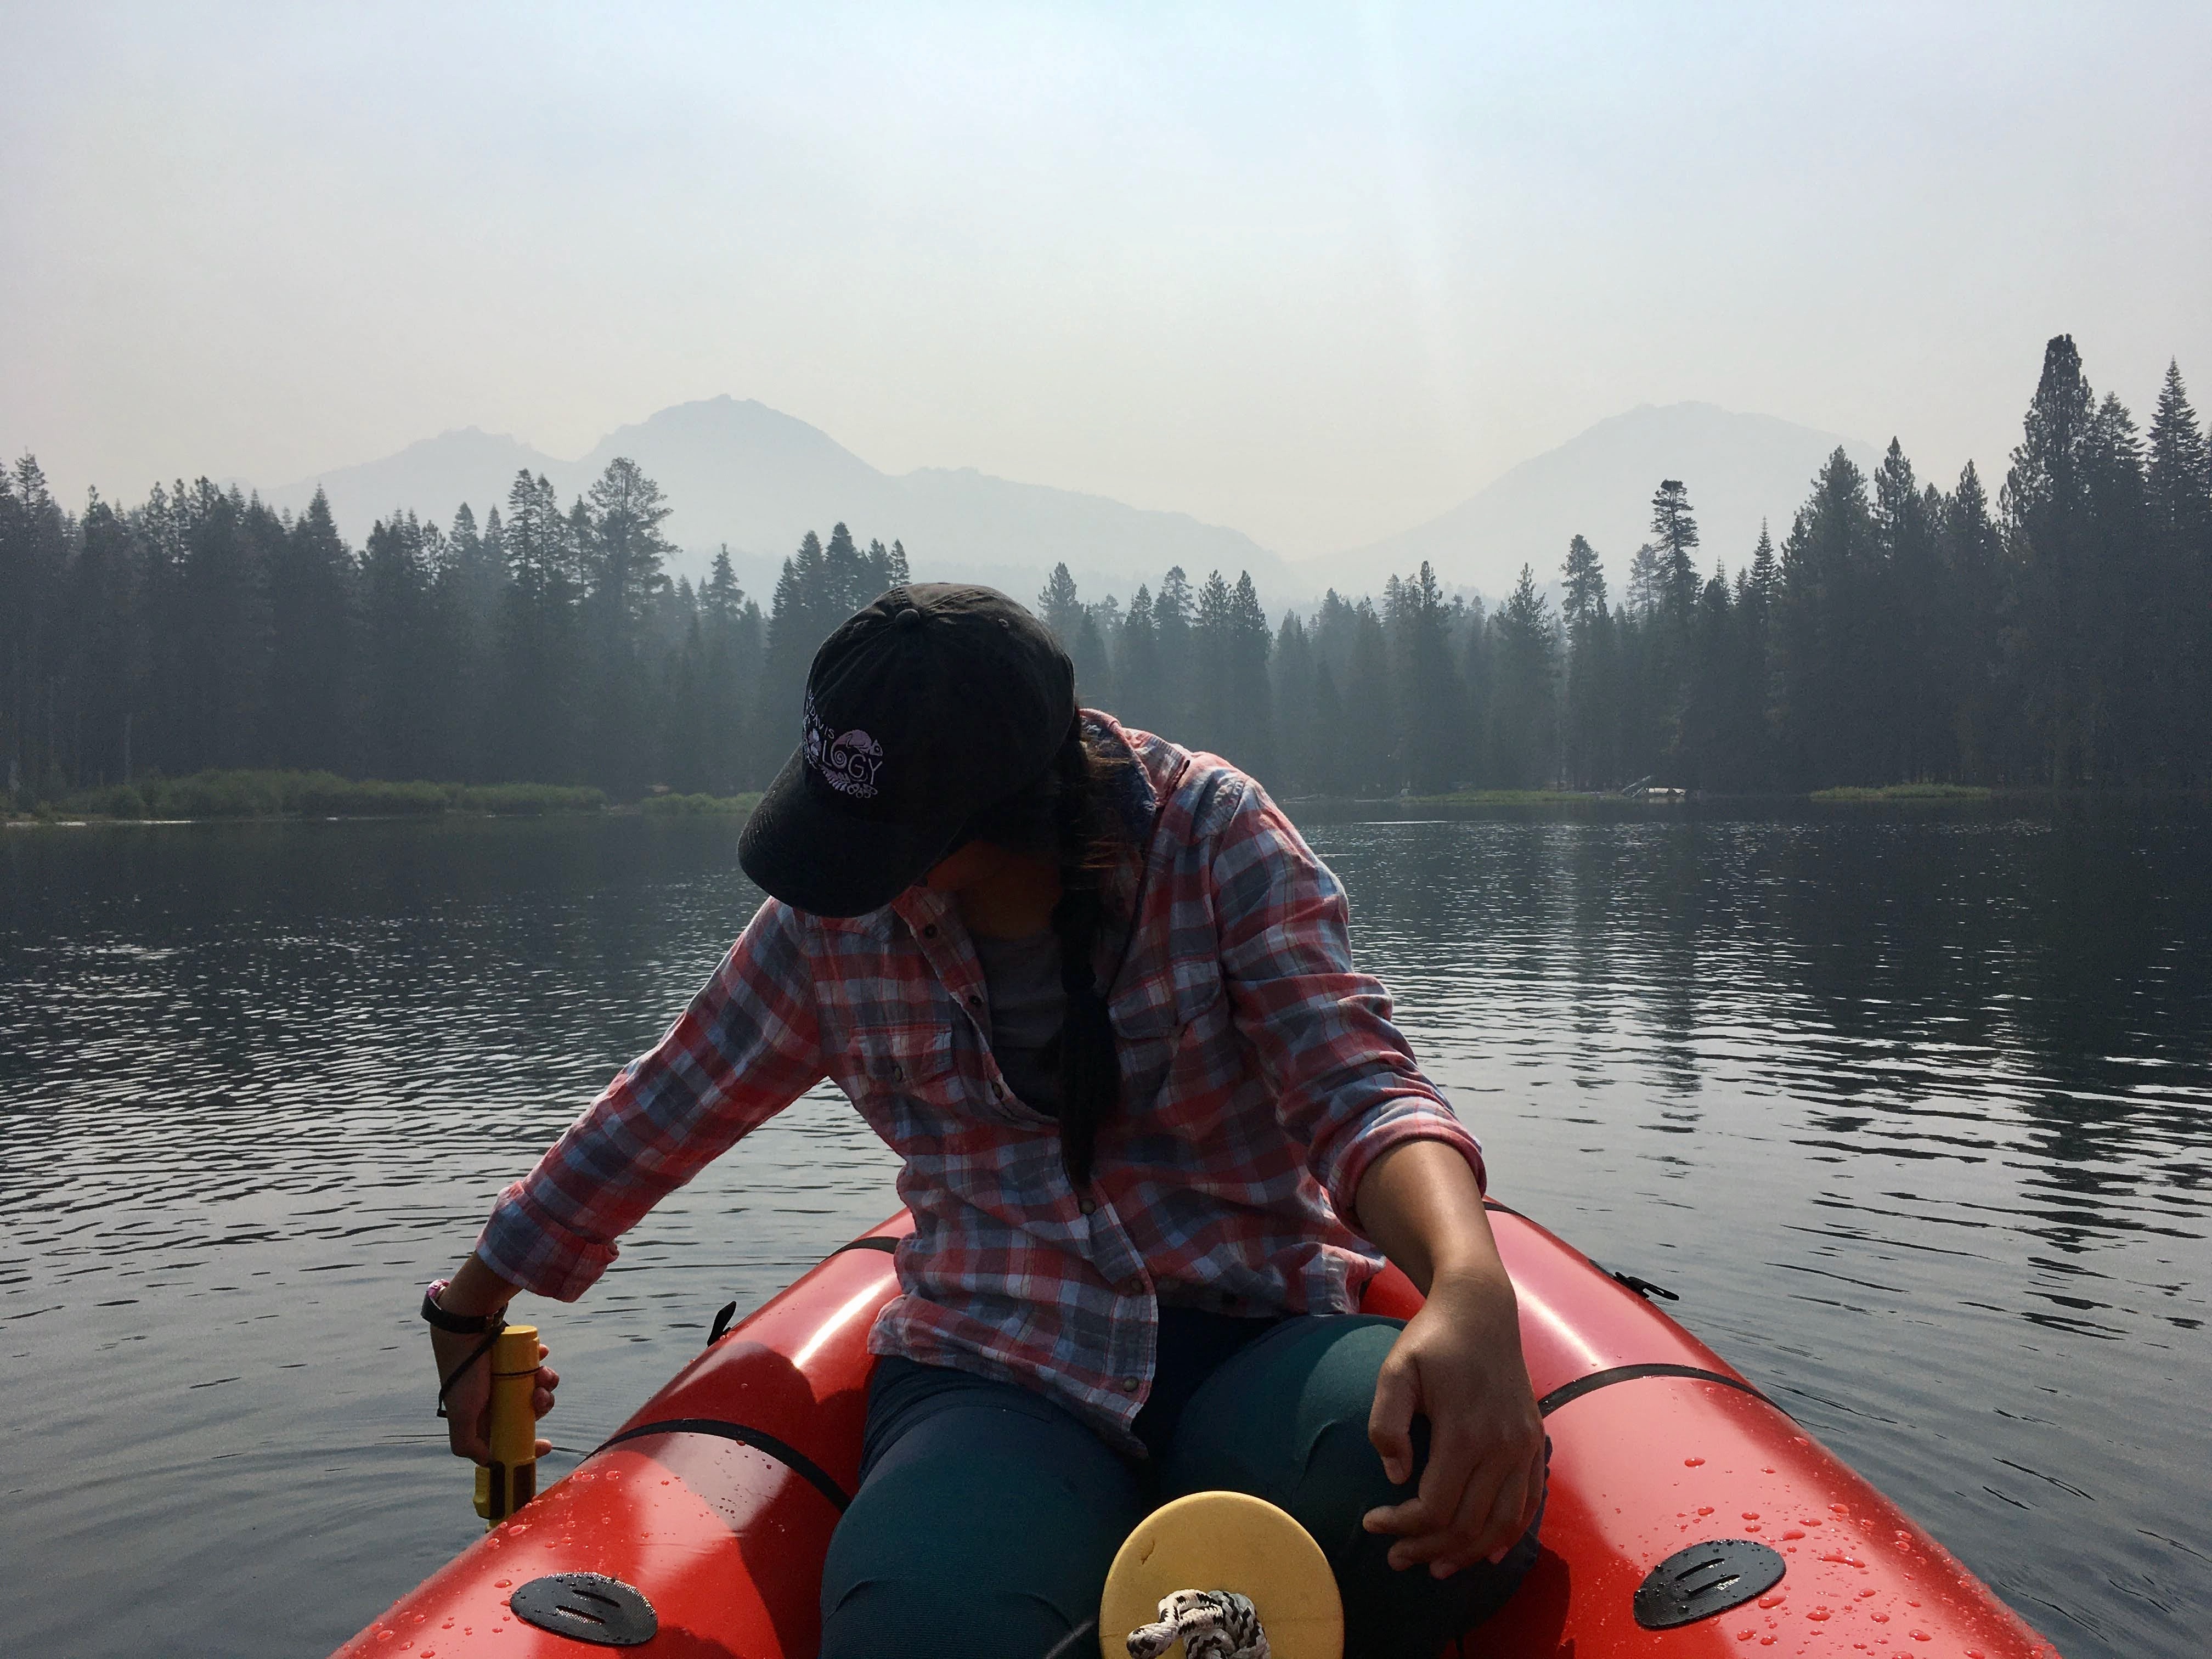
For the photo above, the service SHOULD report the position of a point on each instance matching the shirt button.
(1131, 1384)
(974, 1001)
(930, 931)
(1088, 1206)
(1131, 1287)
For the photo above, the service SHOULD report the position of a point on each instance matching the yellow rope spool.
(1218, 1541)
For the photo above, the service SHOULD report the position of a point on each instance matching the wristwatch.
(458, 1324)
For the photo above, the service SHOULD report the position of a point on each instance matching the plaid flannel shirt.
(1260, 1077)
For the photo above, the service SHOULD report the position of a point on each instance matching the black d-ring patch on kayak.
(784, 1453)
(888, 1246)
(1596, 1380)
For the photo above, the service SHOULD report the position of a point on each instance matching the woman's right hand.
(468, 1402)
(476, 1290)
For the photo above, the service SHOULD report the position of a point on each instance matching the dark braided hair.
(1067, 814)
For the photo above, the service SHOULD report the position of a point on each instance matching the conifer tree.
(398, 700)
(2046, 522)
(310, 581)
(1172, 608)
(95, 637)
(2179, 496)
(1974, 574)
(1431, 701)
(1906, 594)
(1522, 710)
(1367, 753)
(797, 621)
(539, 638)
(1296, 714)
(1587, 692)
(1137, 666)
(1094, 669)
(1251, 692)
(1058, 607)
(626, 555)
(1675, 537)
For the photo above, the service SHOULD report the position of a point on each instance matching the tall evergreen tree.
(1830, 694)
(1906, 594)
(399, 701)
(1523, 744)
(1589, 696)
(1974, 577)
(1291, 670)
(1172, 617)
(2179, 495)
(1366, 753)
(626, 556)
(1058, 607)
(1673, 538)
(1137, 666)
(1431, 701)
(540, 638)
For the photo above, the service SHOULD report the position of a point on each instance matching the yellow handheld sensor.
(510, 1480)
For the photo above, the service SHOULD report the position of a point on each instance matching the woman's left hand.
(1458, 1363)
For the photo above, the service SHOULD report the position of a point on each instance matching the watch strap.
(458, 1324)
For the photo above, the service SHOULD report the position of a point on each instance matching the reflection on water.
(1916, 1114)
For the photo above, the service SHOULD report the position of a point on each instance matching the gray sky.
(1316, 272)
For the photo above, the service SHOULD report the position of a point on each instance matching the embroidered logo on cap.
(847, 763)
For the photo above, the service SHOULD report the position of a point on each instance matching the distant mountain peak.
(1739, 468)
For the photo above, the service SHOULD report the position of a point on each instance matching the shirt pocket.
(1158, 1017)
(914, 1059)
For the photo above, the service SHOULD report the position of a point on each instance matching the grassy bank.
(1522, 798)
(320, 794)
(699, 806)
(1890, 792)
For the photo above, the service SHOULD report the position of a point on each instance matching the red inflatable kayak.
(1688, 1516)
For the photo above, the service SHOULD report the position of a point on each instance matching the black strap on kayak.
(759, 1439)
(888, 1246)
(1605, 1379)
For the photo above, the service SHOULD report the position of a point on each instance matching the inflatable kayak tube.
(1688, 1515)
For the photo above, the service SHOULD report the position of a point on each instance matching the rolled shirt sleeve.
(747, 1046)
(1346, 1085)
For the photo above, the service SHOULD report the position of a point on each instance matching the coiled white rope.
(1211, 1623)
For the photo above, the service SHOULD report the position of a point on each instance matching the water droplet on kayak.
(1692, 1462)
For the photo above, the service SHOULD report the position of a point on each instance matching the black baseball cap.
(935, 702)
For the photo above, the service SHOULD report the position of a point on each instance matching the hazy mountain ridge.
(740, 473)
(1739, 468)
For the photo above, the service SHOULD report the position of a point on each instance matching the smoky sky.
(1316, 272)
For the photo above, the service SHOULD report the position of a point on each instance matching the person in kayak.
(1157, 1134)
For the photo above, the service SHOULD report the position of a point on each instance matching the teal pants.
(987, 1515)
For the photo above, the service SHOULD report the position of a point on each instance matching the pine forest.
(2056, 634)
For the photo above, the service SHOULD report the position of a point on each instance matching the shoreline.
(1565, 802)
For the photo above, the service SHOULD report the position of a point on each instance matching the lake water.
(1915, 1112)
